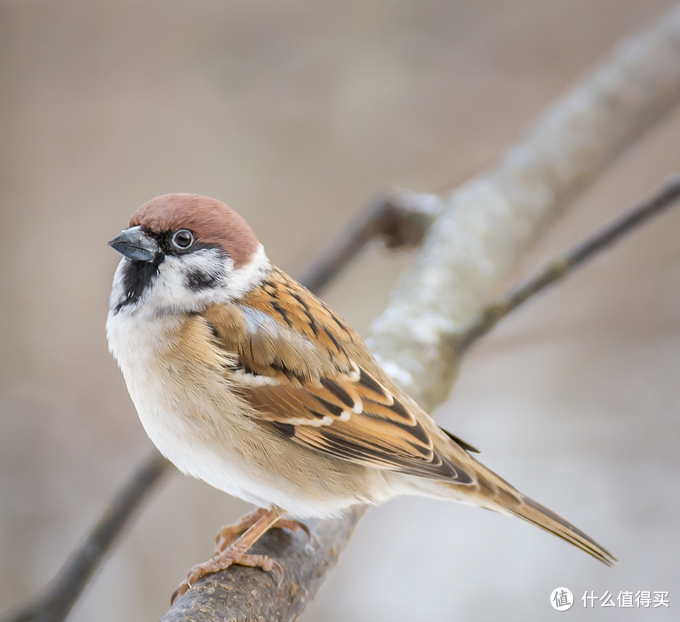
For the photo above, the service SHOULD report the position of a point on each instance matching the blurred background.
(295, 113)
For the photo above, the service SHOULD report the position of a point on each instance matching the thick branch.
(472, 250)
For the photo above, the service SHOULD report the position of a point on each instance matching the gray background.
(295, 113)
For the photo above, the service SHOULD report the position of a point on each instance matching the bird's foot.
(229, 553)
(231, 556)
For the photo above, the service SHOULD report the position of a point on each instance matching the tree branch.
(469, 254)
(664, 198)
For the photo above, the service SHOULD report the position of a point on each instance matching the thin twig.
(665, 197)
(72, 578)
(402, 219)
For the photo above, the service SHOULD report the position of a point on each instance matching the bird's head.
(182, 252)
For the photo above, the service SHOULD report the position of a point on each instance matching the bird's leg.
(227, 534)
(236, 552)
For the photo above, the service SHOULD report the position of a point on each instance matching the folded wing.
(295, 362)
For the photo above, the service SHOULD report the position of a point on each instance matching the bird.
(246, 380)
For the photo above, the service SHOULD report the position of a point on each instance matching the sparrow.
(243, 378)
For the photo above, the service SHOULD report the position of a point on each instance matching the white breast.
(167, 409)
(189, 427)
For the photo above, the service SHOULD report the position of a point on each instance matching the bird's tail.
(492, 492)
(537, 514)
(484, 488)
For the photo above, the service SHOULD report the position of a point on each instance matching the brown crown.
(210, 220)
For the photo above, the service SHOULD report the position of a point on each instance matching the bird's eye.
(183, 239)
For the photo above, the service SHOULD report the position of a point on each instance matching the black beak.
(136, 245)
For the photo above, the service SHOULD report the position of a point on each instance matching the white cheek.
(170, 291)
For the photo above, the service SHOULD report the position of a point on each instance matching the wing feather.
(297, 366)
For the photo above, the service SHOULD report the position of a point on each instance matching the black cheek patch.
(198, 280)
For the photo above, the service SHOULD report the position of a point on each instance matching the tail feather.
(489, 490)
(537, 514)
(494, 493)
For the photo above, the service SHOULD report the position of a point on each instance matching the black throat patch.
(137, 276)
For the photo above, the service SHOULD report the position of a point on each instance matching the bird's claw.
(222, 562)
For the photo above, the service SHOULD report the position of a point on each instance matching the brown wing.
(297, 366)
